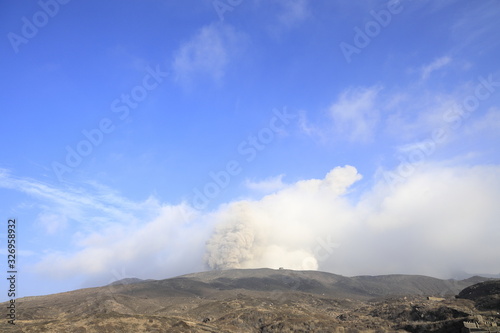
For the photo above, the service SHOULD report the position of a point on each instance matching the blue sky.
(156, 138)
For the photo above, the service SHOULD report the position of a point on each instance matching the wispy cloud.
(268, 185)
(437, 64)
(489, 123)
(354, 117)
(90, 206)
(52, 223)
(208, 53)
(282, 16)
(113, 232)
(355, 114)
(418, 114)
(293, 12)
(476, 27)
(310, 128)
(406, 115)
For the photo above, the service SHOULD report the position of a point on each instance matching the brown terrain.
(266, 300)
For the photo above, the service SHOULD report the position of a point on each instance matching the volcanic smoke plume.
(281, 229)
(439, 222)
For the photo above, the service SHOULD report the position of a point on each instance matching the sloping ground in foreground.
(259, 300)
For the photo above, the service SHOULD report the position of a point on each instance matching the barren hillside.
(260, 300)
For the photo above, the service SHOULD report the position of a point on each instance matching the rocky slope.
(262, 300)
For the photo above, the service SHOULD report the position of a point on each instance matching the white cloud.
(207, 53)
(423, 112)
(312, 129)
(476, 27)
(268, 185)
(281, 229)
(408, 114)
(52, 223)
(113, 233)
(164, 246)
(420, 113)
(355, 114)
(293, 12)
(437, 64)
(441, 218)
(282, 16)
(439, 221)
(305, 125)
(92, 206)
(488, 123)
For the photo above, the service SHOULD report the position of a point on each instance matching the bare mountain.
(330, 284)
(485, 294)
(255, 300)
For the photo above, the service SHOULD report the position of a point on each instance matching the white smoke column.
(233, 241)
(282, 229)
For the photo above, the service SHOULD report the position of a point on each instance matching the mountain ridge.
(266, 279)
(255, 300)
